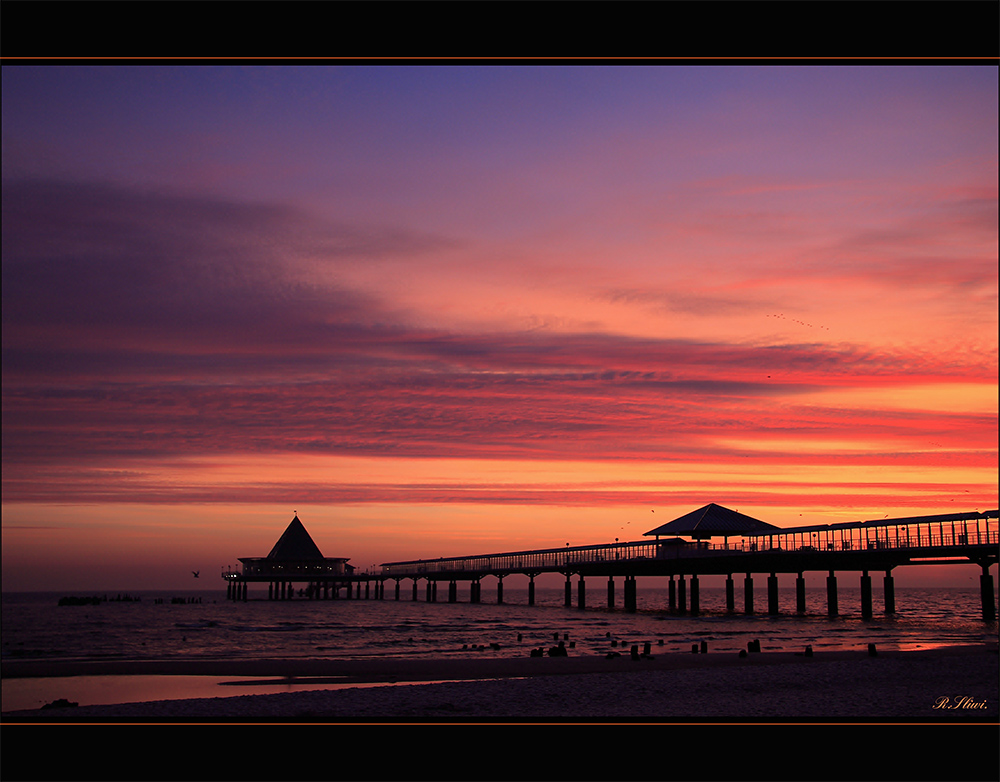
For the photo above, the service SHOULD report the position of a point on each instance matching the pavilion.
(295, 557)
(713, 521)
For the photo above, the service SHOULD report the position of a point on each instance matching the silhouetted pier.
(757, 550)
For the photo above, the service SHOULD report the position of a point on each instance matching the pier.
(750, 550)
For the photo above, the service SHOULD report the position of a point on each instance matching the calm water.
(152, 627)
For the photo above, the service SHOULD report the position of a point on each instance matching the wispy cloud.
(141, 325)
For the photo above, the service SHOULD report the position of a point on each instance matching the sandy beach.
(675, 716)
(947, 684)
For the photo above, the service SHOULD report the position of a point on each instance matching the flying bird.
(196, 572)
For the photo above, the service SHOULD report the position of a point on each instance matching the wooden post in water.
(531, 590)
(581, 594)
(831, 594)
(730, 594)
(452, 591)
(772, 594)
(569, 592)
(748, 594)
(672, 592)
(413, 597)
(889, 588)
(694, 596)
(682, 595)
(800, 594)
(499, 590)
(611, 591)
(866, 595)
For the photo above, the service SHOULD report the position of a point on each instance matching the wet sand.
(769, 685)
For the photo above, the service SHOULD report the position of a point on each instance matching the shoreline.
(406, 669)
(842, 684)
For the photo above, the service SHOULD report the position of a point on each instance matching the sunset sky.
(449, 310)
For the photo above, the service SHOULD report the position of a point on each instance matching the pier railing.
(916, 533)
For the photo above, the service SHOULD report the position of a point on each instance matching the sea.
(203, 624)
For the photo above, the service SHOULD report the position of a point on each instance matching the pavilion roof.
(713, 520)
(295, 544)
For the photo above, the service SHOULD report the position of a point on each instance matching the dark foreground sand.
(947, 684)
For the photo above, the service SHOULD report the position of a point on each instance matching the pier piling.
(889, 588)
(986, 593)
(831, 594)
(630, 596)
(866, 595)
(772, 594)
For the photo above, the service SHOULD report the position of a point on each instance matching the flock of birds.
(799, 322)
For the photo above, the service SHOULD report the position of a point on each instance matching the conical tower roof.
(712, 520)
(295, 544)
